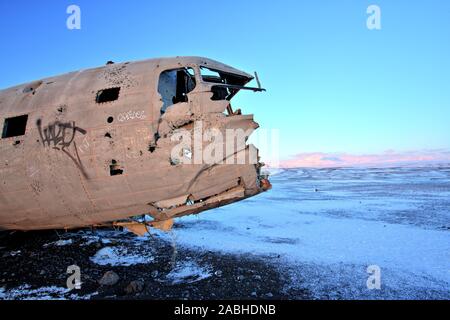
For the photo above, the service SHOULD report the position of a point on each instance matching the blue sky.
(333, 85)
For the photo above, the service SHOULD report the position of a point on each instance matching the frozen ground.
(312, 236)
(329, 225)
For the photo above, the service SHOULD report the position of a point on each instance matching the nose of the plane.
(265, 184)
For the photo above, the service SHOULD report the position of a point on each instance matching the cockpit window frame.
(224, 90)
(176, 68)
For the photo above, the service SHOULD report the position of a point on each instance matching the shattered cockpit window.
(225, 90)
(174, 85)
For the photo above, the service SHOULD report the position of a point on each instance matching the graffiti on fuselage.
(60, 136)
(131, 115)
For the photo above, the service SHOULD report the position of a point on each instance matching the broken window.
(115, 169)
(174, 85)
(228, 84)
(14, 127)
(107, 95)
(220, 77)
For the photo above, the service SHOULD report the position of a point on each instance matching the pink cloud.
(387, 159)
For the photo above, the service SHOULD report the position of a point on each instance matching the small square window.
(14, 127)
(107, 95)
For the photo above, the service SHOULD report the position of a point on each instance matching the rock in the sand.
(135, 287)
(110, 278)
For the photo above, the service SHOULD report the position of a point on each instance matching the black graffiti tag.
(62, 135)
(59, 133)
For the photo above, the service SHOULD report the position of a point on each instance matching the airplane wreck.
(95, 147)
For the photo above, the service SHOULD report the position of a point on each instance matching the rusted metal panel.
(97, 147)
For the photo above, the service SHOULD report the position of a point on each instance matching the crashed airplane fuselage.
(103, 146)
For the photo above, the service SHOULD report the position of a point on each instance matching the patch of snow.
(121, 256)
(85, 297)
(25, 292)
(59, 243)
(88, 240)
(272, 171)
(15, 253)
(104, 236)
(188, 272)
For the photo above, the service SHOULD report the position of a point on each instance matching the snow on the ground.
(26, 292)
(121, 256)
(188, 272)
(320, 220)
(99, 236)
(59, 243)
